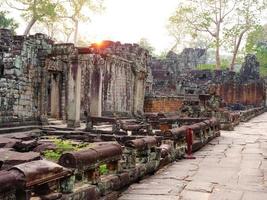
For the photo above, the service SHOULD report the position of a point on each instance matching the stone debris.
(87, 122)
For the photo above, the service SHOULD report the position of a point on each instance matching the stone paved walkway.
(231, 167)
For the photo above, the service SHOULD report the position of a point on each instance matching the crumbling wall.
(55, 81)
(40, 79)
(163, 104)
(246, 87)
(247, 94)
(113, 78)
(166, 71)
(22, 64)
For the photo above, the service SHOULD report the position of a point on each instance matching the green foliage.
(103, 169)
(78, 5)
(146, 45)
(6, 22)
(52, 155)
(226, 23)
(224, 65)
(261, 54)
(62, 146)
(257, 44)
(36, 10)
(255, 37)
(39, 10)
(206, 67)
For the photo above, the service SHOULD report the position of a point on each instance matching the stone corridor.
(231, 167)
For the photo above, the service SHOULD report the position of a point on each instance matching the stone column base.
(73, 124)
(43, 120)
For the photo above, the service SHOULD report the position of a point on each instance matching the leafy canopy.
(6, 22)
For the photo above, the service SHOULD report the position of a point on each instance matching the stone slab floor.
(231, 167)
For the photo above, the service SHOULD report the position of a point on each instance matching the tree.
(257, 44)
(35, 10)
(6, 22)
(75, 10)
(144, 43)
(204, 16)
(59, 30)
(245, 19)
(255, 38)
(217, 19)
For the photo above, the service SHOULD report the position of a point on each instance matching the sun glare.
(99, 43)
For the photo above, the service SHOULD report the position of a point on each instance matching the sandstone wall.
(246, 94)
(163, 104)
(22, 60)
(245, 87)
(40, 79)
(113, 78)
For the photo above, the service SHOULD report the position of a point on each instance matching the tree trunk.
(218, 59)
(174, 46)
(236, 49)
(217, 37)
(76, 32)
(29, 26)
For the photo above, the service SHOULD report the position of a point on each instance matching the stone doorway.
(54, 105)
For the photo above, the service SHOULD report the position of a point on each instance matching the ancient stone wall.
(40, 79)
(166, 71)
(246, 87)
(113, 79)
(247, 94)
(22, 61)
(163, 104)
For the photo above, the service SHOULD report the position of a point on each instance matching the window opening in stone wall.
(1, 70)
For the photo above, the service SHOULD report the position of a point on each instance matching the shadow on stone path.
(231, 167)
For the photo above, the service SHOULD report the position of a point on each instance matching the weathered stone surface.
(232, 167)
(237, 91)
(40, 79)
(7, 142)
(250, 68)
(11, 157)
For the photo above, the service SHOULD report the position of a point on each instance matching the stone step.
(11, 123)
(18, 129)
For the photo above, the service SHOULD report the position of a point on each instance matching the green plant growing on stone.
(62, 146)
(224, 65)
(52, 155)
(103, 169)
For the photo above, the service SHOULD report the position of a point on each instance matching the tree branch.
(13, 7)
(231, 10)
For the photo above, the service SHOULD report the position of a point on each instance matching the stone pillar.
(96, 92)
(43, 97)
(63, 97)
(74, 94)
(139, 92)
(55, 96)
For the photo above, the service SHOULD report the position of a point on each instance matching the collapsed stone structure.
(166, 71)
(105, 83)
(245, 88)
(40, 79)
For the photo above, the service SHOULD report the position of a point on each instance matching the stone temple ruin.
(86, 122)
(40, 79)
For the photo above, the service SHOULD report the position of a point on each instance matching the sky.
(128, 21)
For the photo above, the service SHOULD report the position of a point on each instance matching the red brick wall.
(247, 94)
(162, 104)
